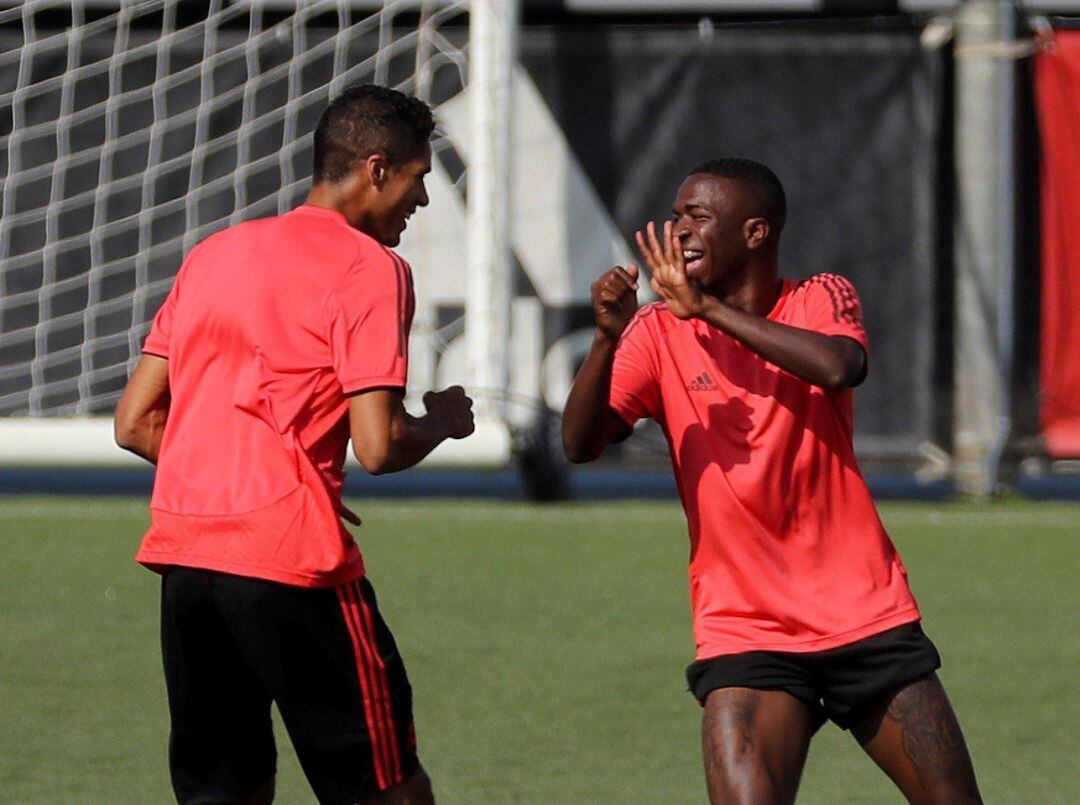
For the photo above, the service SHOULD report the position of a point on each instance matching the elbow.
(835, 381)
(845, 366)
(374, 462)
(577, 453)
(840, 375)
(125, 432)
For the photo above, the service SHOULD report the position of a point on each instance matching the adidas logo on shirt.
(702, 383)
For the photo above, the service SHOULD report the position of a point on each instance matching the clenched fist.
(614, 300)
(452, 407)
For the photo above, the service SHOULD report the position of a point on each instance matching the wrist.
(604, 340)
(710, 309)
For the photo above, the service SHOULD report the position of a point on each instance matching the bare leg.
(414, 791)
(754, 743)
(913, 735)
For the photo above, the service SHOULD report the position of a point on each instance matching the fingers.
(615, 285)
(628, 275)
(644, 246)
(453, 407)
(662, 253)
(674, 249)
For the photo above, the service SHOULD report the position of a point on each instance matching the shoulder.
(825, 283)
(373, 262)
(649, 319)
(831, 295)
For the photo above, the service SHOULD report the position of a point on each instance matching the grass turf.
(545, 645)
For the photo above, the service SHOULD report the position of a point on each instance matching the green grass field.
(546, 646)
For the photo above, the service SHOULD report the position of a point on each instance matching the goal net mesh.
(130, 133)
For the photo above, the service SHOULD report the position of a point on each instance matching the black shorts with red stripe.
(233, 645)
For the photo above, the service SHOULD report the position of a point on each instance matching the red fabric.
(786, 549)
(1057, 95)
(269, 326)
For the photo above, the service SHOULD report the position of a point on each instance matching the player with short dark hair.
(801, 604)
(366, 119)
(280, 340)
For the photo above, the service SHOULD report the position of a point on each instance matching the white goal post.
(130, 130)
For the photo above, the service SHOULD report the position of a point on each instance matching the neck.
(347, 197)
(755, 288)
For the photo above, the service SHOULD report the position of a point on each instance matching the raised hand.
(452, 408)
(664, 257)
(614, 300)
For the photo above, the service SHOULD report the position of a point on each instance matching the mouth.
(694, 260)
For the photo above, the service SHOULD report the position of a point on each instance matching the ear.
(377, 170)
(755, 232)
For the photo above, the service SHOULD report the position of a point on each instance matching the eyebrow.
(690, 207)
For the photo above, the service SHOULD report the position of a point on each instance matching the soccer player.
(280, 339)
(801, 605)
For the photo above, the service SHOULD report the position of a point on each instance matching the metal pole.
(984, 240)
(492, 25)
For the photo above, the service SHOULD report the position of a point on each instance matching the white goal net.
(129, 131)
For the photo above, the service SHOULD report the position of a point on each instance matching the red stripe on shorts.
(361, 652)
(383, 682)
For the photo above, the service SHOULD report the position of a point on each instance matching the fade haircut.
(365, 120)
(764, 184)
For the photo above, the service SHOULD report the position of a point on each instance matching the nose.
(423, 200)
(681, 228)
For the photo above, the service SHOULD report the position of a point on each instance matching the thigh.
(754, 744)
(914, 736)
(339, 682)
(221, 743)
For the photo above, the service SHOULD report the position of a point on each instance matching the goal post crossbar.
(65, 360)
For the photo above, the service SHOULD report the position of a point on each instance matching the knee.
(746, 786)
(961, 792)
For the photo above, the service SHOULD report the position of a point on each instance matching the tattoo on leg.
(740, 715)
(931, 736)
(743, 711)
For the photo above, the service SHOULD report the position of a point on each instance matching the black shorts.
(834, 684)
(233, 645)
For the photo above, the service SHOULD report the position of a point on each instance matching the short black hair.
(368, 119)
(765, 184)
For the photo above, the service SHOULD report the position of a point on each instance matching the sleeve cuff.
(367, 383)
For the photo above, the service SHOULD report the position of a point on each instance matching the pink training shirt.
(269, 327)
(787, 552)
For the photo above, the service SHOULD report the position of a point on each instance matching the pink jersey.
(268, 328)
(787, 552)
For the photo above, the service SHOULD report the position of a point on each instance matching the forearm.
(139, 420)
(143, 435)
(822, 360)
(586, 423)
(411, 440)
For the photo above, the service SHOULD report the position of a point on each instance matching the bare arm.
(139, 420)
(386, 438)
(589, 425)
(828, 361)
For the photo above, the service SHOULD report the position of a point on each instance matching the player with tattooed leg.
(801, 605)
